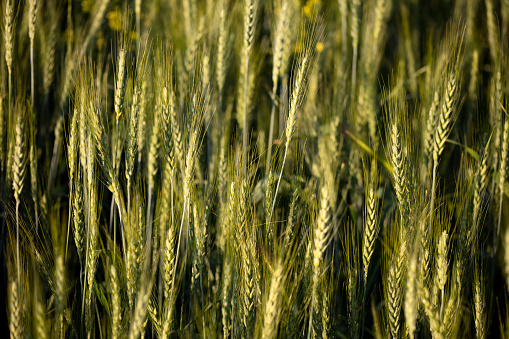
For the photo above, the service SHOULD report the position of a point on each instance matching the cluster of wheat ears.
(254, 168)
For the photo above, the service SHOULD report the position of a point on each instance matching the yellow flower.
(307, 11)
(114, 20)
(319, 47)
(87, 5)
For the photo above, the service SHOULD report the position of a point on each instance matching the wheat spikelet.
(139, 314)
(221, 49)
(120, 84)
(15, 325)
(18, 170)
(399, 169)
(503, 174)
(41, 329)
(280, 39)
(272, 309)
(72, 147)
(116, 316)
(153, 149)
(353, 300)
(480, 185)
(442, 265)
(175, 132)
(32, 14)
(492, 31)
(169, 261)
(78, 218)
(132, 135)
(291, 219)
(443, 127)
(250, 17)
(167, 133)
(411, 302)
(320, 237)
(60, 290)
(371, 228)
(431, 125)
(393, 288)
(8, 35)
(479, 303)
(142, 119)
(49, 48)
(92, 254)
(226, 297)
(433, 314)
(19, 161)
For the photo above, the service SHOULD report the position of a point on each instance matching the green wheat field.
(254, 169)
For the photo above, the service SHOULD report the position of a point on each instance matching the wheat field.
(254, 169)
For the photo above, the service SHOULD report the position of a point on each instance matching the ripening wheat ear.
(272, 307)
(321, 234)
(411, 301)
(120, 84)
(15, 325)
(442, 265)
(32, 13)
(305, 62)
(371, 223)
(280, 40)
(503, 172)
(250, 17)
(18, 170)
(442, 131)
(479, 304)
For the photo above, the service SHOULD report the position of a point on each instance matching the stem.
(313, 295)
(271, 132)
(278, 182)
(178, 244)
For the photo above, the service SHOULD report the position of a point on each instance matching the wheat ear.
(442, 131)
(272, 307)
(503, 174)
(18, 170)
(320, 239)
(251, 8)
